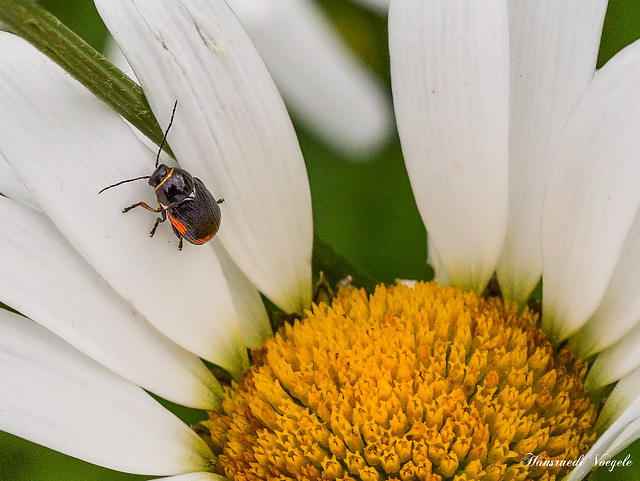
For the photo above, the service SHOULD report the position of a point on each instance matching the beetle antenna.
(124, 182)
(166, 132)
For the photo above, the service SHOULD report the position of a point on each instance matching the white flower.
(91, 275)
(483, 91)
(523, 163)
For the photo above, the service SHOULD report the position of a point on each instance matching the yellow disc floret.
(423, 383)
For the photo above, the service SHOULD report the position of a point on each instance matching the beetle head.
(159, 175)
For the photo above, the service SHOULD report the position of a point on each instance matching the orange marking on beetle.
(180, 227)
(203, 240)
(165, 179)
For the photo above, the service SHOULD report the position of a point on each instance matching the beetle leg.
(155, 226)
(141, 204)
(162, 218)
(219, 201)
(180, 244)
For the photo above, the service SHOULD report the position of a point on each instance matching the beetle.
(192, 210)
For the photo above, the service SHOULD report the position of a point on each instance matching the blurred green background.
(365, 210)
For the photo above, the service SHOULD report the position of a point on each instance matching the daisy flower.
(423, 382)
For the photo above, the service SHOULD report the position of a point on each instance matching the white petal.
(554, 46)
(628, 436)
(592, 195)
(56, 396)
(406, 282)
(66, 145)
(605, 441)
(450, 73)
(625, 393)
(324, 84)
(231, 130)
(194, 477)
(11, 186)
(627, 390)
(252, 315)
(616, 361)
(619, 310)
(44, 278)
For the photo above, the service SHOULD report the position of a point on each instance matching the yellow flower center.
(423, 383)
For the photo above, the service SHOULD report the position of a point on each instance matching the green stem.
(107, 82)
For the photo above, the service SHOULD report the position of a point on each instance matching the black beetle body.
(192, 210)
